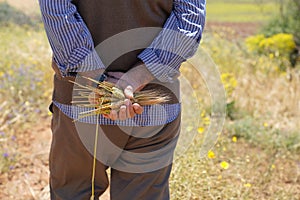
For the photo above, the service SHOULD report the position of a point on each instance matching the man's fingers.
(126, 111)
(138, 109)
(128, 92)
(130, 111)
(122, 113)
(113, 115)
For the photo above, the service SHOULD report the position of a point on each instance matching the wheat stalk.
(108, 96)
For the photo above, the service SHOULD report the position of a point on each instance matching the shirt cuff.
(90, 62)
(162, 72)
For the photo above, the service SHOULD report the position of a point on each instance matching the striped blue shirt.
(74, 51)
(154, 115)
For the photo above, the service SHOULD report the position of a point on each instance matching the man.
(97, 37)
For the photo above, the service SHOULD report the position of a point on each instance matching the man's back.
(107, 18)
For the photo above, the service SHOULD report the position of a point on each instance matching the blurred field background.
(257, 154)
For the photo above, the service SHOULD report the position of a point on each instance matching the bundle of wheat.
(107, 96)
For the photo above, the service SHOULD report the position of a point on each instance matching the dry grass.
(276, 98)
(261, 146)
(253, 173)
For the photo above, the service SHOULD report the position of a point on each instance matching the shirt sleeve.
(178, 40)
(70, 40)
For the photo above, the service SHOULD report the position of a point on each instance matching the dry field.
(256, 156)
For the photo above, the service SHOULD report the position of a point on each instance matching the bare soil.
(236, 29)
(30, 178)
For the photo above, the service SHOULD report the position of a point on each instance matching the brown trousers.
(71, 160)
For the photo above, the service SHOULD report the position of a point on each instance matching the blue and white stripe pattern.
(69, 37)
(154, 115)
(178, 41)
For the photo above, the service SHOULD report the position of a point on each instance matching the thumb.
(128, 92)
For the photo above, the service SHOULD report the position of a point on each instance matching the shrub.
(280, 46)
(263, 135)
(287, 22)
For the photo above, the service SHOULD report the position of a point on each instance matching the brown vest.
(106, 18)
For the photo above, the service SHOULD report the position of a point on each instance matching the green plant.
(279, 46)
(229, 83)
(25, 91)
(263, 135)
(288, 21)
(9, 14)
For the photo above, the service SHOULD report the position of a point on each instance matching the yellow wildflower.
(266, 124)
(203, 113)
(247, 185)
(206, 120)
(273, 166)
(211, 154)
(229, 82)
(201, 130)
(224, 165)
(234, 139)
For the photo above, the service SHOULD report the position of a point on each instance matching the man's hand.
(128, 110)
(131, 81)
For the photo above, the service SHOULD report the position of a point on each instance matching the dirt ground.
(29, 179)
(235, 29)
